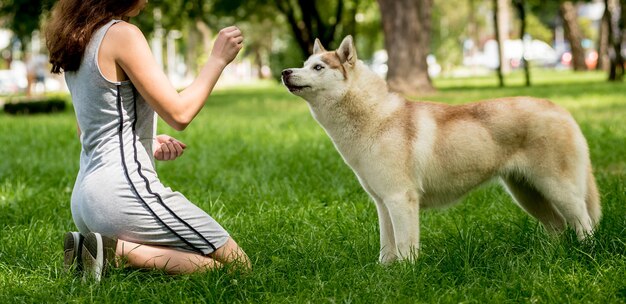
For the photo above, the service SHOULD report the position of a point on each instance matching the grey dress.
(117, 192)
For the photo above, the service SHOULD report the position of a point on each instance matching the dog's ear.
(318, 47)
(347, 51)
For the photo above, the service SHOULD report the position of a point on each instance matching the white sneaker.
(97, 254)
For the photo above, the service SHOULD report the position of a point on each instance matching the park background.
(261, 165)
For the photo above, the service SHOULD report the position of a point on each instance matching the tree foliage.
(281, 32)
(328, 21)
(22, 16)
(449, 30)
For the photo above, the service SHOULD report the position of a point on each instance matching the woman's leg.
(232, 254)
(177, 262)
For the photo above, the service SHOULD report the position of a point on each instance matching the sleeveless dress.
(117, 191)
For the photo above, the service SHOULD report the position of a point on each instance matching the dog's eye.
(318, 67)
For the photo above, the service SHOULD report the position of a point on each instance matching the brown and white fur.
(413, 155)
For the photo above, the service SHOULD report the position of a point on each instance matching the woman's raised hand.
(227, 45)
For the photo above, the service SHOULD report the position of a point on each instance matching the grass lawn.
(260, 164)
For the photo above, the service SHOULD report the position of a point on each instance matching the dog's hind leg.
(533, 202)
(570, 203)
(593, 198)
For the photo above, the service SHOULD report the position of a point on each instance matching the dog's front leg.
(404, 212)
(388, 251)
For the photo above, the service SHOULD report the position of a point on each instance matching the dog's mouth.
(295, 88)
(292, 87)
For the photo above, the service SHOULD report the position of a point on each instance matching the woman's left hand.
(168, 148)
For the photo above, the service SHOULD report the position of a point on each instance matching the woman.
(118, 203)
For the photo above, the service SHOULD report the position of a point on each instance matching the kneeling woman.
(118, 203)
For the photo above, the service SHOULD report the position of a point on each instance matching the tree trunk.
(618, 48)
(191, 49)
(496, 23)
(407, 28)
(472, 28)
(521, 9)
(504, 20)
(616, 36)
(568, 13)
(258, 61)
(207, 36)
(603, 41)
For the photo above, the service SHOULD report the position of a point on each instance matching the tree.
(199, 20)
(568, 14)
(306, 20)
(618, 46)
(520, 5)
(309, 20)
(472, 27)
(451, 30)
(498, 35)
(616, 32)
(22, 16)
(603, 41)
(164, 19)
(407, 29)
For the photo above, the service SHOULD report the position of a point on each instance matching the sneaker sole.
(71, 252)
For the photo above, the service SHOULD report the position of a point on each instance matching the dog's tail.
(593, 199)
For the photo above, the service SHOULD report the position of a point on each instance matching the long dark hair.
(72, 24)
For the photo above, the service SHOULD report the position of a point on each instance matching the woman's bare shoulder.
(124, 42)
(125, 32)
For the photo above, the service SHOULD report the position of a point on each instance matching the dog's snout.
(287, 72)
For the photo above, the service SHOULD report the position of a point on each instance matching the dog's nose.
(287, 72)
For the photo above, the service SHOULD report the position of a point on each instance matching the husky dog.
(413, 155)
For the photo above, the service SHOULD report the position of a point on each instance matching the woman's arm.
(133, 55)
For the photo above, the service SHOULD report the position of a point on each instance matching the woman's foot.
(72, 246)
(98, 252)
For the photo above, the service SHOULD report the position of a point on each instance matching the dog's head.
(325, 73)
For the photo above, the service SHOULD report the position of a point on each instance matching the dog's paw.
(387, 258)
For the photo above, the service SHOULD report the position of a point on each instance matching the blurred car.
(536, 51)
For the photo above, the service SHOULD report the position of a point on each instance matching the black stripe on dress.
(121, 142)
(148, 183)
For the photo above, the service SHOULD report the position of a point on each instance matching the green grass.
(263, 168)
